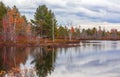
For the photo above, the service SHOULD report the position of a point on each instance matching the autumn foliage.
(15, 26)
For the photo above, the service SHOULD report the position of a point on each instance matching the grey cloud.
(102, 11)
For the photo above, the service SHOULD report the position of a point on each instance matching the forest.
(15, 28)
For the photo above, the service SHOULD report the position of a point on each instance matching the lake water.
(90, 59)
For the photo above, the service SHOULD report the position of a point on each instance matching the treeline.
(15, 27)
(88, 34)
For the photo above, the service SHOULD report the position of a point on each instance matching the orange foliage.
(14, 18)
(72, 29)
(15, 25)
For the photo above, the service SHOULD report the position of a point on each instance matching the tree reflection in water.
(7, 58)
(12, 57)
(44, 61)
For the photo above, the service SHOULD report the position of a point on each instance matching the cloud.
(89, 62)
(77, 11)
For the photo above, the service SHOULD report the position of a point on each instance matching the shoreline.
(44, 43)
(49, 43)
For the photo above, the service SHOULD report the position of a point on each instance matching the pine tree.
(3, 11)
(44, 20)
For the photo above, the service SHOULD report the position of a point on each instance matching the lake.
(90, 59)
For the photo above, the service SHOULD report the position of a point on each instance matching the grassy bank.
(42, 42)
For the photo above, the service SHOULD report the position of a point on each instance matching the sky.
(84, 13)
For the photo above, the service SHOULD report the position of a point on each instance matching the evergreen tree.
(44, 20)
(3, 11)
(62, 31)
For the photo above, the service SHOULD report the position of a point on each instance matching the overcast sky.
(79, 12)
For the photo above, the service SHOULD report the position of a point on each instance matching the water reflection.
(44, 62)
(27, 62)
(91, 59)
(9, 58)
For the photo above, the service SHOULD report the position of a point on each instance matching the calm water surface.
(91, 59)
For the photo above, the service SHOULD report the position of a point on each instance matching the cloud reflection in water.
(105, 62)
